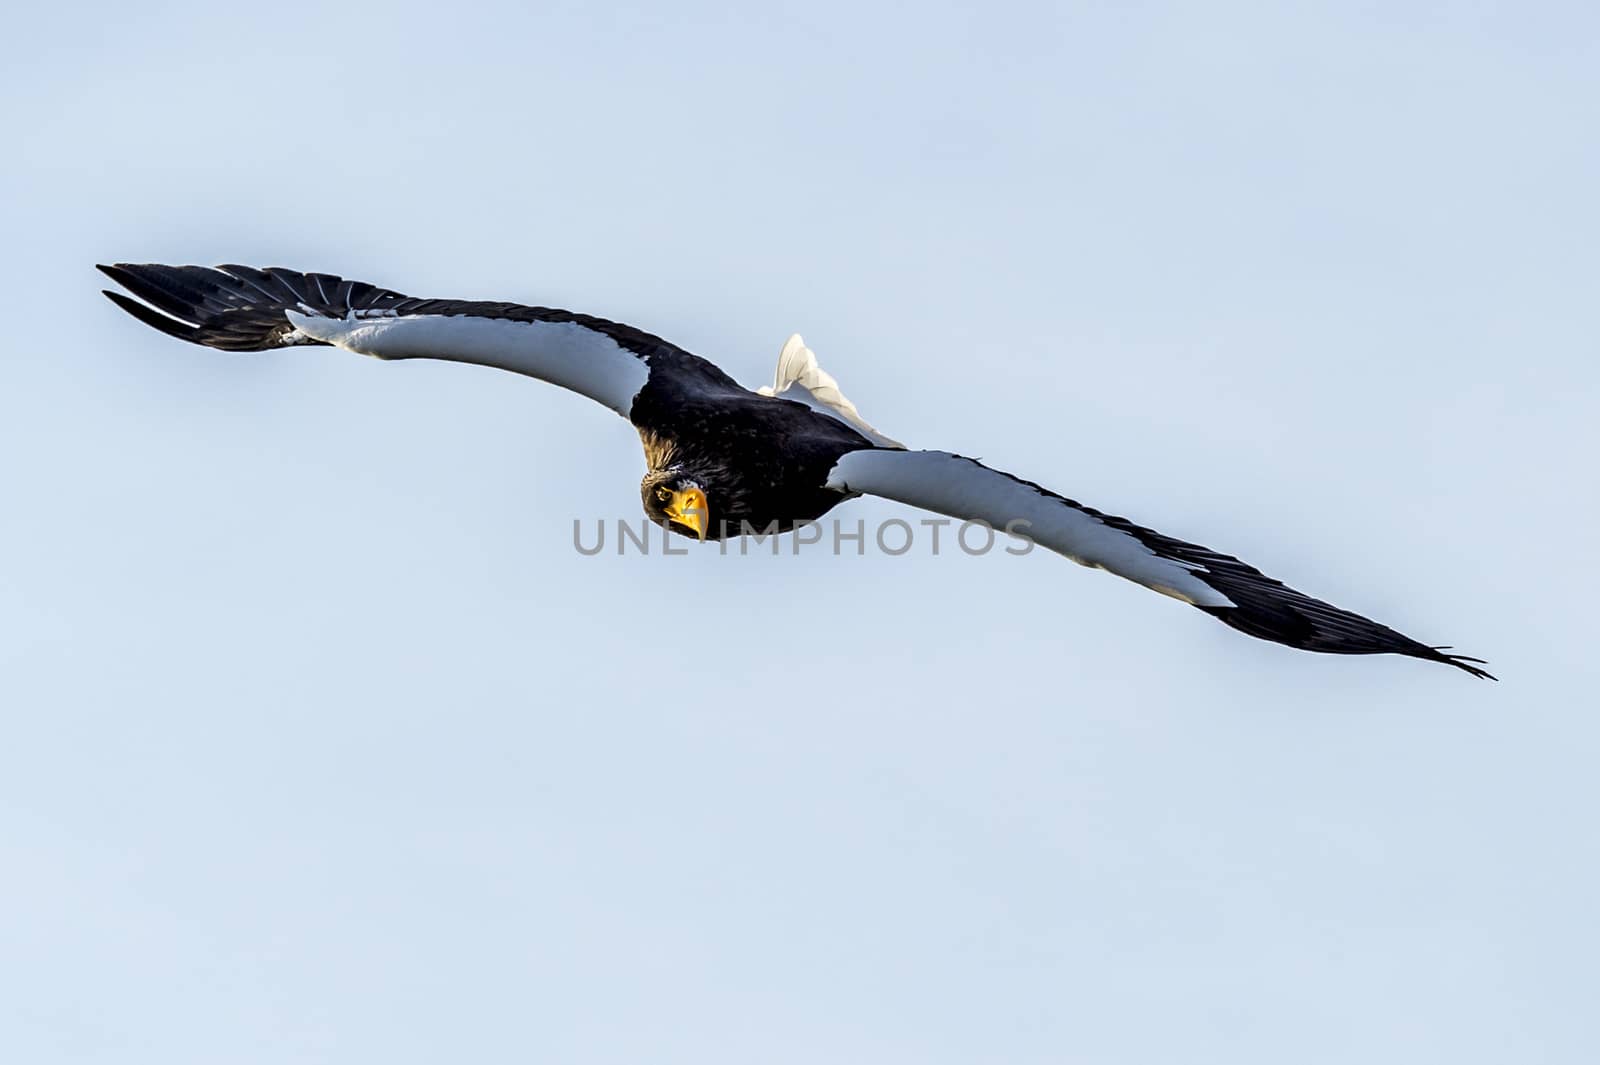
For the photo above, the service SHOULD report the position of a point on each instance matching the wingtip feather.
(154, 318)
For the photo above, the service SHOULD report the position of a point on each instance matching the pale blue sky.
(321, 744)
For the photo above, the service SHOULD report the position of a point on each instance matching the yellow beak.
(688, 508)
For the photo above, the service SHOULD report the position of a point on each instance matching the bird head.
(679, 499)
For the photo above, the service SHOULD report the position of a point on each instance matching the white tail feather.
(800, 378)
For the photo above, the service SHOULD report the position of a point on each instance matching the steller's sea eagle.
(723, 459)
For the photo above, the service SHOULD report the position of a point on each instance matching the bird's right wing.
(241, 308)
(1230, 590)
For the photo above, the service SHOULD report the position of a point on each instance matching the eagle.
(724, 460)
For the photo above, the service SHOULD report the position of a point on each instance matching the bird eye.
(663, 495)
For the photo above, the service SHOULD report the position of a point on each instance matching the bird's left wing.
(1224, 587)
(241, 308)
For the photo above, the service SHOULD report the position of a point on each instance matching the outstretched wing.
(240, 308)
(1224, 587)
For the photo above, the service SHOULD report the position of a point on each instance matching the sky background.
(320, 743)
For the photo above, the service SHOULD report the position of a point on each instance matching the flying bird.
(722, 459)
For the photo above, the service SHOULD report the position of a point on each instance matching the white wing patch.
(800, 378)
(563, 353)
(962, 488)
